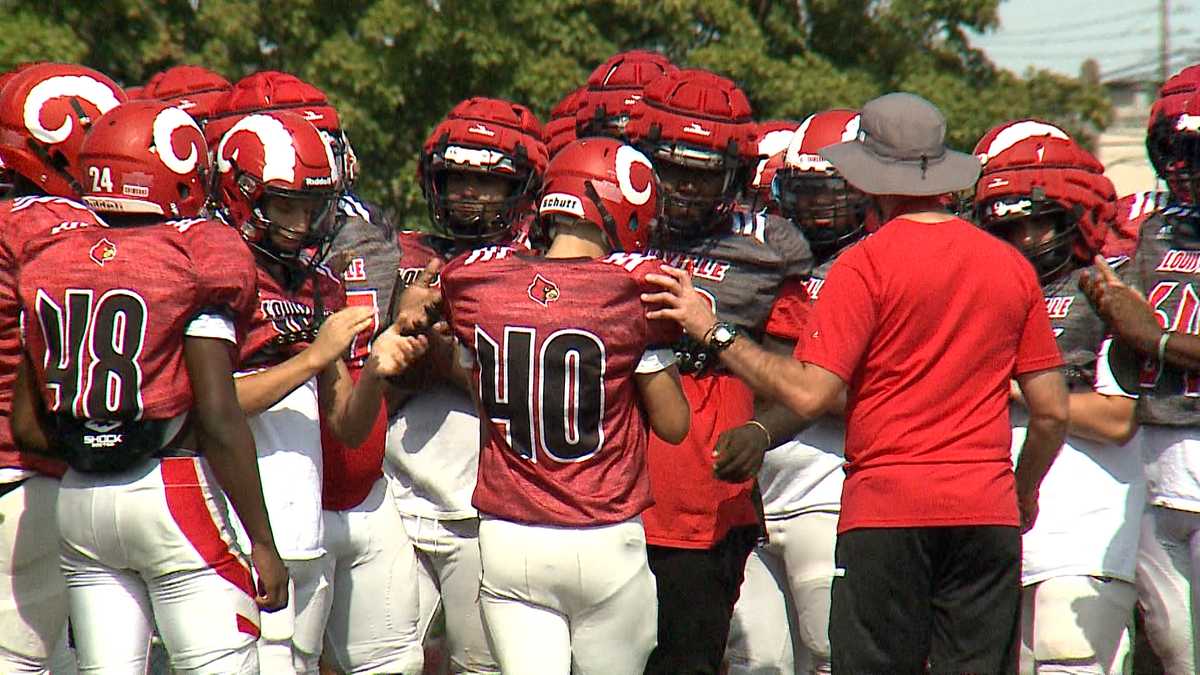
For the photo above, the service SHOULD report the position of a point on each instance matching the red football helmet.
(276, 154)
(607, 183)
(812, 194)
(560, 130)
(1167, 151)
(193, 88)
(613, 88)
(1033, 169)
(1182, 163)
(700, 123)
(485, 136)
(145, 157)
(45, 110)
(772, 139)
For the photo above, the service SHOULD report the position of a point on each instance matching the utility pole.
(1164, 36)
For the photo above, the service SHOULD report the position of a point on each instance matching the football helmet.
(45, 111)
(1182, 163)
(1033, 169)
(145, 157)
(1167, 151)
(696, 124)
(613, 88)
(277, 154)
(493, 138)
(560, 130)
(193, 88)
(607, 183)
(812, 194)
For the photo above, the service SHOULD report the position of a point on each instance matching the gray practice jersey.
(1077, 328)
(1166, 268)
(741, 269)
(368, 241)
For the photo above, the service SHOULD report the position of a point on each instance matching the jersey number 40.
(106, 335)
(548, 395)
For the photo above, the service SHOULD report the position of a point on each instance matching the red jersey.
(21, 219)
(283, 324)
(927, 323)
(106, 309)
(557, 343)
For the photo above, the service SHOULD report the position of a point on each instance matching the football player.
(562, 477)
(697, 130)
(480, 170)
(129, 329)
(40, 156)
(277, 184)
(1154, 359)
(781, 620)
(363, 634)
(1048, 197)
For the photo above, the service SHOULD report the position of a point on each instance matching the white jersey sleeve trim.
(655, 360)
(1106, 384)
(212, 325)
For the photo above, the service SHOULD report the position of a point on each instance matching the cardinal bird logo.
(543, 291)
(103, 251)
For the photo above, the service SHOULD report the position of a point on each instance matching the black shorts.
(927, 599)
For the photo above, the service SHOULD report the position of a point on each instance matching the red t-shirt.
(557, 343)
(927, 323)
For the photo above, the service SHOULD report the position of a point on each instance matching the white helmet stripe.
(1015, 133)
(165, 125)
(627, 156)
(81, 86)
(279, 154)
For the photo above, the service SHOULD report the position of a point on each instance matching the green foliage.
(394, 67)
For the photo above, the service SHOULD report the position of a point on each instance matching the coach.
(923, 325)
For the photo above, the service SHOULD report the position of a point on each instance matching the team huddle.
(242, 411)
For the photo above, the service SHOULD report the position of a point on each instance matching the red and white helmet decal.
(1013, 134)
(90, 89)
(626, 160)
(279, 154)
(165, 125)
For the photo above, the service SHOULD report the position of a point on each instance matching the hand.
(338, 262)
(392, 353)
(1028, 506)
(1125, 310)
(272, 578)
(418, 302)
(739, 453)
(680, 302)
(337, 332)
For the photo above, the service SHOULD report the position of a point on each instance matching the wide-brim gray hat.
(901, 150)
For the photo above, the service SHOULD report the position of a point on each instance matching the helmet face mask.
(699, 188)
(476, 206)
(1043, 230)
(828, 210)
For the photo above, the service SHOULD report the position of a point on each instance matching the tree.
(394, 67)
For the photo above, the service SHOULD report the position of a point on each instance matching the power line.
(1006, 42)
(1099, 21)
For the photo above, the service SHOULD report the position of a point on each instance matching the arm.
(1107, 419)
(1045, 393)
(229, 449)
(666, 407)
(350, 409)
(259, 391)
(30, 423)
(805, 389)
(1132, 319)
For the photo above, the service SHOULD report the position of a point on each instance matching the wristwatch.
(720, 336)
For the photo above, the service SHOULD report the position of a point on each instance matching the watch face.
(722, 334)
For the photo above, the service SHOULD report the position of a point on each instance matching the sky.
(1122, 35)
